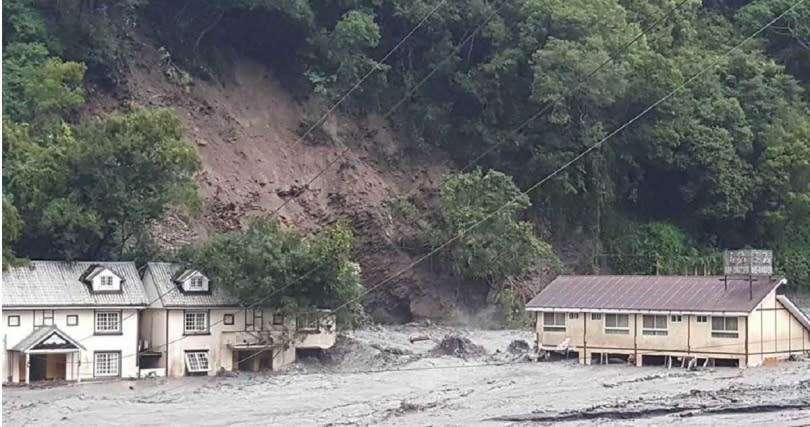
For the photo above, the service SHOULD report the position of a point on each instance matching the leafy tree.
(502, 245)
(341, 58)
(12, 224)
(90, 192)
(659, 248)
(270, 266)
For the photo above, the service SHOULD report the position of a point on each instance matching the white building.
(194, 326)
(71, 321)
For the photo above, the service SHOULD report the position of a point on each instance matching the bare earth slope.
(245, 127)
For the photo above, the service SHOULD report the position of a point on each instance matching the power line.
(587, 78)
(561, 168)
(558, 170)
(572, 161)
(373, 69)
(390, 111)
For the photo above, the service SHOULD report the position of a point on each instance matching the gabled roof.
(654, 293)
(93, 271)
(163, 285)
(39, 337)
(59, 284)
(181, 275)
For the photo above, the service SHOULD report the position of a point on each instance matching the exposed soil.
(246, 128)
(377, 376)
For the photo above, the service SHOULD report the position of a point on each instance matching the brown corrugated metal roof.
(653, 293)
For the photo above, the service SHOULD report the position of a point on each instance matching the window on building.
(108, 322)
(724, 327)
(227, 319)
(106, 283)
(72, 319)
(107, 364)
(278, 319)
(596, 316)
(47, 317)
(573, 315)
(195, 322)
(307, 322)
(702, 319)
(13, 320)
(554, 322)
(196, 283)
(197, 361)
(654, 325)
(617, 324)
(676, 318)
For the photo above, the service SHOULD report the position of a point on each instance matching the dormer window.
(191, 281)
(101, 279)
(107, 283)
(196, 283)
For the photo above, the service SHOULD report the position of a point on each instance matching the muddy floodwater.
(379, 377)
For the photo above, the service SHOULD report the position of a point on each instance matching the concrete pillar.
(15, 367)
(587, 357)
(27, 368)
(638, 360)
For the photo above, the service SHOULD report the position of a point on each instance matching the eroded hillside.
(246, 128)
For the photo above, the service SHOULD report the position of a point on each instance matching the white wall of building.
(83, 332)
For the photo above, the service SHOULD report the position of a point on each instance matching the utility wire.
(572, 161)
(561, 168)
(469, 36)
(558, 170)
(611, 58)
(373, 70)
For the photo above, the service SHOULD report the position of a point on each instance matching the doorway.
(48, 367)
(254, 360)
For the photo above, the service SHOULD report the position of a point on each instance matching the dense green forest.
(724, 163)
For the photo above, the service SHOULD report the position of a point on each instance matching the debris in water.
(518, 347)
(457, 346)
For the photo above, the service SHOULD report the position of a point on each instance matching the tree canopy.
(270, 266)
(722, 164)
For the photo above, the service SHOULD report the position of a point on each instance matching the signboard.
(746, 262)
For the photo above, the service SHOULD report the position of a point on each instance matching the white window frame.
(676, 318)
(196, 283)
(558, 321)
(701, 319)
(596, 316)
(197, 361)
(195, 322)
(617, 329)
(656, 329)
(107, 364)
(726, 332)
(106, 282)
(107, 329)
(573, 316)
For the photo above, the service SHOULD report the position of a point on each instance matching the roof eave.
(636, 311)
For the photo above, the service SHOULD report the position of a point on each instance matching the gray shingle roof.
(653, 293)
(57, 283)
(170, 294)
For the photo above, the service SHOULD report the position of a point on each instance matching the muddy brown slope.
(245, 126)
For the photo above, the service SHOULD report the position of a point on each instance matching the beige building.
(193, 326)
(671, 320)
